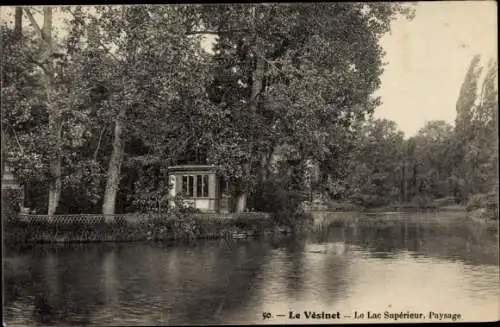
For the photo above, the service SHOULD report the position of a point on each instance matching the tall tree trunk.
(18, 21)
(257, 82)
(414, 191)
(4, 143)
(55, 162)
(263, 168)
(241, 202)
(403, 183)
(115, 162)
(45, 34)
(56, 185)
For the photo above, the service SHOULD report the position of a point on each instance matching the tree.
(482, 150)
(475, 150)
(280, 85)
(430, 156)
(39, 112)
(463, 129)
(374, 171)
(22, 80)
(160, 67)
(46, 62)
(16, 37)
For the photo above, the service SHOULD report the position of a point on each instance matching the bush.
(477, 201)
(285, 205)
(423, 201)
(11, 203)
(492, 205)
(252, 222)
(486, 204)
(365, 201)
(342, 206)
(447, 201)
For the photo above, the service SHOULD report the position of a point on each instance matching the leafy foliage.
(374, 168)
(476, 145)
(289, 82)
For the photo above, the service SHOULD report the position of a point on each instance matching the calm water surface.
(444, 267)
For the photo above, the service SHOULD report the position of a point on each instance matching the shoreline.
(136, 228)
(324, 218)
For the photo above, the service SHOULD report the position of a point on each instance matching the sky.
(427, 59)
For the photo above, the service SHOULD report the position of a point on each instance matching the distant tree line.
(441, 161)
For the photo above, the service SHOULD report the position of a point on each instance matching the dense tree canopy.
(93, 118)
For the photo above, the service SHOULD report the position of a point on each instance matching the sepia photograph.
(249, 163)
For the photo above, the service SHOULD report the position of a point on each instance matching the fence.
(132, 227)
(93, 219)
(90, 219)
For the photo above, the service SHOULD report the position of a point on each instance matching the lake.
(365, 273)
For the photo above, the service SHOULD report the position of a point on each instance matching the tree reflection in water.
(187, 283)
(59, 285)
(453, 240)
(295, 267)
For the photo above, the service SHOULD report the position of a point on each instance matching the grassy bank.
(126, 228)
(484, 217)
(415, 208)
(420, 204)
(326, 219)
(386, 217)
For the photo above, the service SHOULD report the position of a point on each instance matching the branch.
(79, 20)
(17, 140)
(98, 144)
(43, 37)
(245, 30)
(33, 22)
(108, 51)
(272, 64)
(217, 32)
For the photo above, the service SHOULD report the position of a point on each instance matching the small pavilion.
(201, 186)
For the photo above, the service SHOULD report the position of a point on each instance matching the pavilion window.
(205, 186)
(195, 186)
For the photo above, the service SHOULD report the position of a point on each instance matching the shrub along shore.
(129, 228)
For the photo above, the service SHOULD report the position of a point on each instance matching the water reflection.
(400, 265)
